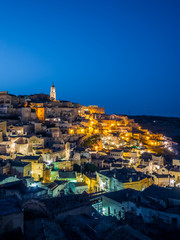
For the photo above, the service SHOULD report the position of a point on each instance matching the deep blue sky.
(123, 55)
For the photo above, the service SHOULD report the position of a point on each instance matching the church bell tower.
(53, 93)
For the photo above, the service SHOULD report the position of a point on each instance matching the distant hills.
(168, 126)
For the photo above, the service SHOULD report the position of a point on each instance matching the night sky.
(123, 55)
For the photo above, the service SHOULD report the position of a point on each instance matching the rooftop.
(116, 150)
(55, 184)
(35, 158)
(20, 187)
(122, 195)
(124, 174)
(80, 184)
(67, 175)
(162, 175)
(56, 205)
(162, 193)
(19, 164)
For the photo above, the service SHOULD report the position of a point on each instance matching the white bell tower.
(53, 93)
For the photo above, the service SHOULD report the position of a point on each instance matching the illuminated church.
(53, 93)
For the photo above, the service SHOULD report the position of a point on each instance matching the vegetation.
(89, 167)
(77, 168)
(91, 141)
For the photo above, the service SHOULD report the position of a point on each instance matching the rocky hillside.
(168, 126)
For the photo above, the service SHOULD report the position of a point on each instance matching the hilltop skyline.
(90, 104)
(122, 55)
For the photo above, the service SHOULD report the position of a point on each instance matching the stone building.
(53, 93)
(56, 188)
(10, 99)
(21, 169)
(118, 179)
(3, 127)
(155, 204)
(37, 166)
(78, 187)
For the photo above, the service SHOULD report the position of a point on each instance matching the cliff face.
(168, 126)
